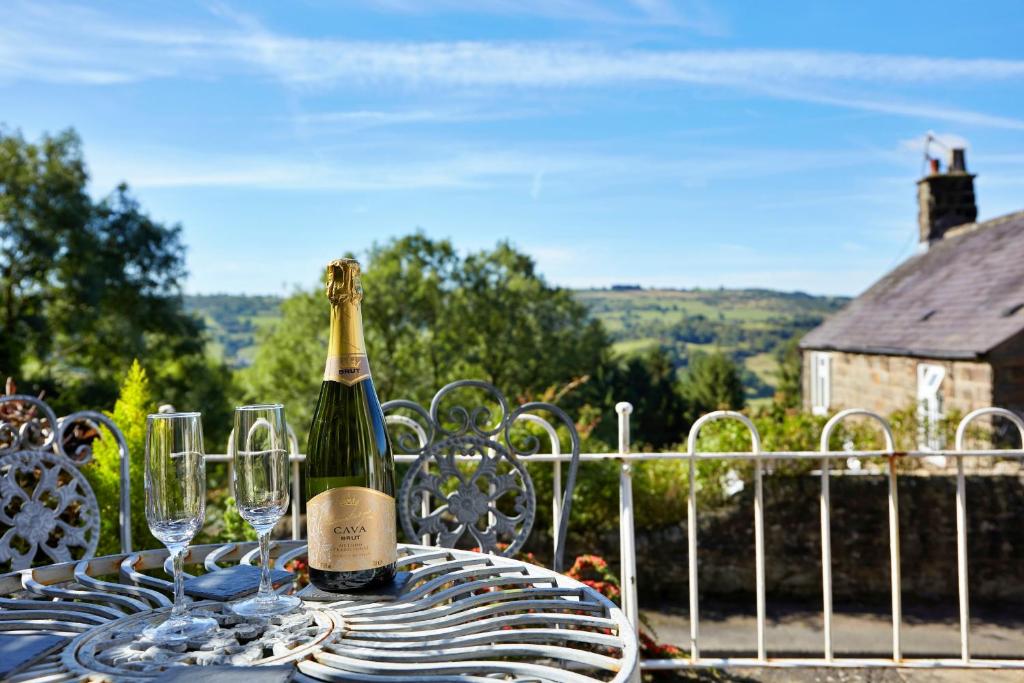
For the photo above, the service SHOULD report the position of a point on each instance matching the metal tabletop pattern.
(463, 616)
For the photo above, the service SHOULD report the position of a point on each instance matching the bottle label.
(347, 369)
(351, 528)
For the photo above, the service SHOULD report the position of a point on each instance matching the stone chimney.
(945, 200)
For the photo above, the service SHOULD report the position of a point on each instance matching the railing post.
(961, 555)
(691, 528)
(759, 547)
(894, 531)
(627, 530)
(961, 520)
(894, 561)
(691, 544)
(826, 546)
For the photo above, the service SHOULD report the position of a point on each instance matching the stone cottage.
(943, 331)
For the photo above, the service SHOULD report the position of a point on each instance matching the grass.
(637, 320)
(747, 324)
(764, 366)
(635, 346)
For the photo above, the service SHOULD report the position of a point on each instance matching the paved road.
(841, 676)
(796, 631)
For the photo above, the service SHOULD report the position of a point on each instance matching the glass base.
(179, 629)
(261, 607)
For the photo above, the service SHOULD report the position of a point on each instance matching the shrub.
(235, 528)
(104, 473)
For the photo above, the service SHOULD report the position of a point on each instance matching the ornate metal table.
(462, 616)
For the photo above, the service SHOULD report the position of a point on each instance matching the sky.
(668, 143)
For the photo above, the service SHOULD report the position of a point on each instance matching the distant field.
(232, 321)
(628, 347)
(747, 324)
(764, 366)
(743, 305)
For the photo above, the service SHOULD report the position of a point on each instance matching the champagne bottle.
(350, 468)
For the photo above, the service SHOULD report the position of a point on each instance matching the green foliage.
(235, 528)
(523, 335)
(789, 368)
(596, 496)
(433, 317)
(713, 383)
(198, 382)
(104, 473)
(748, 325)
(287, 367)
(660, 412)
(232, 320)
(660, 487)
(89, 286)
(907, 429)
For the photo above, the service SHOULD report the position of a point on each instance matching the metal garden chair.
(48, 511)
(487, 500)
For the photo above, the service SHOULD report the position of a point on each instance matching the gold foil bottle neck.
(344, 284)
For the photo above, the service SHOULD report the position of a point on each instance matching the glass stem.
(178, 557)
(266, 588)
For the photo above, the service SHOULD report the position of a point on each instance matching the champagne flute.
(175, 506)
(260, 481)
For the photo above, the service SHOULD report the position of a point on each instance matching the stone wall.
(1008, 359)
(860, 542)
(886, 384)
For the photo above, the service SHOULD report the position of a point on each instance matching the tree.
(660, 411)
(88, 286)
(288, 364)
(42, 199)
(104, 472)
(713, 383)
(412, 334)
(518, 332)
(433, 317)
(788, 387)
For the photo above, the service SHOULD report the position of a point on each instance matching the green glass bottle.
(350, 468)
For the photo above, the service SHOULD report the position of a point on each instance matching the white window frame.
(930, 406)
(821, 382)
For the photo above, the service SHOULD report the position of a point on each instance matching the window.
(821, 382)
(929, 406)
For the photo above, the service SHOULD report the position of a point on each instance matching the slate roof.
(960, 299)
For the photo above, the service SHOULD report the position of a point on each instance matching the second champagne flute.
(260, 481)
(175, 507)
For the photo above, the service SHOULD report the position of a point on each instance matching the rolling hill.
(748, 324)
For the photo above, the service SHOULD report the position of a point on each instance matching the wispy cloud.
(537, 185)
(175, 168)
(76, 45)
(696, 15)
(582, 10)
(917, 110)
(324, 63)
(692, 15)
(461, 167)
(365, 118)
(360, 119)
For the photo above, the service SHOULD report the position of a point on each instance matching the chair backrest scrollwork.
(48, 511)
(488, 500)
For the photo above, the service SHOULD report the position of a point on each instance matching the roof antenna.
(930, 164)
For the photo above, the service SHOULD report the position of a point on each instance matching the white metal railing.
(824, 456)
